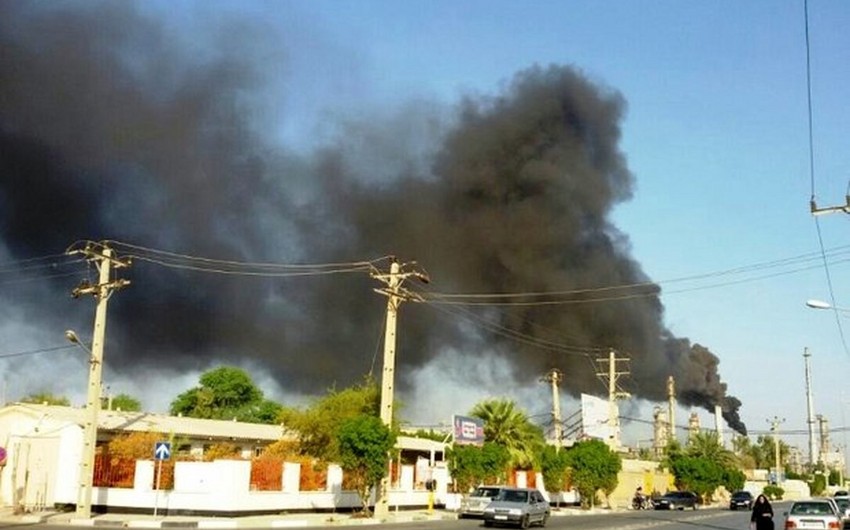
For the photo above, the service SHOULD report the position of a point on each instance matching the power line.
(800, 264)
(34, 352)
(241, 268)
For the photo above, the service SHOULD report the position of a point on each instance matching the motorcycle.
(640, 502)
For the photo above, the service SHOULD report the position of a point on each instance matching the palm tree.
(505, 425)
(706, 444)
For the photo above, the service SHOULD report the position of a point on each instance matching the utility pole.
(613, 395)
(555, 377)
(810, 407)
(102, 256)
(774, 428)
(395, 296)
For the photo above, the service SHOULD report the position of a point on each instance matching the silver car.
(521, 507)
(474, 504)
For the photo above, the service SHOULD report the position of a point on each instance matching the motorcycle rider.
(639, 501)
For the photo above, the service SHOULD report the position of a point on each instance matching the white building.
(44, 443)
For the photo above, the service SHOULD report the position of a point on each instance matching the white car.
(814, 513)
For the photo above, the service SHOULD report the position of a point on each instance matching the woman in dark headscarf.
(762, 517)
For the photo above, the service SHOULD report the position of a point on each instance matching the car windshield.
(485, 492)
(843, 503)
(514, 496)
(743, 495)
(811, 508)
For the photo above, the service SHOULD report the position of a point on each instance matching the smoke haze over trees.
(114, 125)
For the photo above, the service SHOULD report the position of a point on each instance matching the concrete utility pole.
(810, 407)
(774, 428)
(395, 296)
(555, 377)
(101, 255)
(613, 395)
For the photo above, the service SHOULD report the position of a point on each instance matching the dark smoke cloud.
(110, 129)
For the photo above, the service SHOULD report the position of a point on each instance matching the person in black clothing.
(762, 516)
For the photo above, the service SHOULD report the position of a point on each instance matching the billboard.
(468, 430)
(594, 418)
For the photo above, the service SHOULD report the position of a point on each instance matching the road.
(713, 519)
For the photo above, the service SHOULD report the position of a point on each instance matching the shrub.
(773, 492)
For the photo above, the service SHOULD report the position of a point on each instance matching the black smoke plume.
(112, 127)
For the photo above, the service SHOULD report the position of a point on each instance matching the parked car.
(813, 513)
(473, 506)
(842, 506)
(741, 499)
(517, 506)
(677, 500)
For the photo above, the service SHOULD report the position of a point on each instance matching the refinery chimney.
(718, 425)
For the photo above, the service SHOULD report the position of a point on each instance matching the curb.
(66, 519)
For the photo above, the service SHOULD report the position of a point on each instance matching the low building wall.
(222, 487)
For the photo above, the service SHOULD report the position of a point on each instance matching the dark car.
(521, 507)
(677, 500)
(741, 499)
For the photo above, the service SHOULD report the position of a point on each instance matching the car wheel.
(488, 523)
(525, 522)
(695, 506)
(544, 520)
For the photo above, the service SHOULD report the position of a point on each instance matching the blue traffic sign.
(162, 451)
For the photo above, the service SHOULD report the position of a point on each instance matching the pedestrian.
(762, 516)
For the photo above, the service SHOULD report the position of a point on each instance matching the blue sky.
(716, 135)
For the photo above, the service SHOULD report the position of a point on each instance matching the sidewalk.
(265, 521)
(260, 521)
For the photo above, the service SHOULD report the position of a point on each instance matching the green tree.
(760, 455)
(706, 444)
(470, 465)
(46, 398)
(505, 425)
(742, 448)
(698, 474)
(364, 445)
(226, 393)
(733, 479)
(593, 467)
(317, 424)
(553, 467)
(126, 402)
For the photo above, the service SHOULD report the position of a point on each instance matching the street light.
(820, 304)
(71, 335)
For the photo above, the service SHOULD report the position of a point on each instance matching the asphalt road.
(713, 519)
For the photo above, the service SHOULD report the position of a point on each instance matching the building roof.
(122, 421)
(195, 428)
